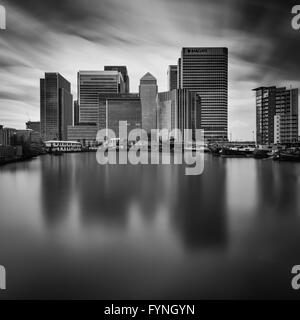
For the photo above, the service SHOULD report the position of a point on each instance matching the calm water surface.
(70, 228)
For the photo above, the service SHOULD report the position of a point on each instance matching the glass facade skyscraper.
(177, 109)
(205, 71)
(90, 84)
(172, 77)
(56, 103)
(123, 71)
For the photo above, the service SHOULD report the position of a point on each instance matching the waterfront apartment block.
(205, 71)
(172, 77)
(276, 115)
(286, 121)
(90, 84)
(120, 107)
(55, 106)
(148, 92)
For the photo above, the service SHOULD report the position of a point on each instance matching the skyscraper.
(90, 84)
(55, 106)
(179, 73)
(177, 109)
(148, 92)
(123, 71)
(172, 77)
(76, 113)
(205, 71)
(276, 115)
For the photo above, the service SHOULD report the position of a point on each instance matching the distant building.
(205, 71)
(172, 77)
(55, 106)
(148, 92)
(76, 113)
(1, 136)
(123, 71)
(34, 125)
(27, 142)
(276, 115)
(6, 136)
(120, 107)
(179, 73)
(90, 84)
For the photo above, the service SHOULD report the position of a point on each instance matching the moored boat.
(261, 154)
(232, 153)
(287, 156)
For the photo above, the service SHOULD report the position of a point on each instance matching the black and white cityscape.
(149, 150)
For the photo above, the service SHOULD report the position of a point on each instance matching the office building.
(177, 109)
(90, 84)
(6, 136)
(276, 115)
(148, 92)
(76, 113)
(1, 136)
(55, 106)
(34, 125)
(114, 108)
(123, 71)
(179, 73)
(172, 77)
(166, 110)
(205, 71)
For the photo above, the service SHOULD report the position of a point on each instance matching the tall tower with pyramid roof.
(148, 92)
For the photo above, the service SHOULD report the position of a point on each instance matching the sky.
(70, 35)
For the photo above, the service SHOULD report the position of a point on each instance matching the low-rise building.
(64, 146)
(34, 125)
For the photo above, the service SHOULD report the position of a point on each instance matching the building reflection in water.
(56, 188)
(199, 213)
(191, 207)
(150, 231)
(274, 196)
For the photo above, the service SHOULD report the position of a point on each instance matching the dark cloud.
(65, 35)
(270, 21)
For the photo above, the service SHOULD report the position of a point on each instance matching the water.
(70, 228)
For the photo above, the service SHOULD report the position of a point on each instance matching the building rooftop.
(148, 76)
